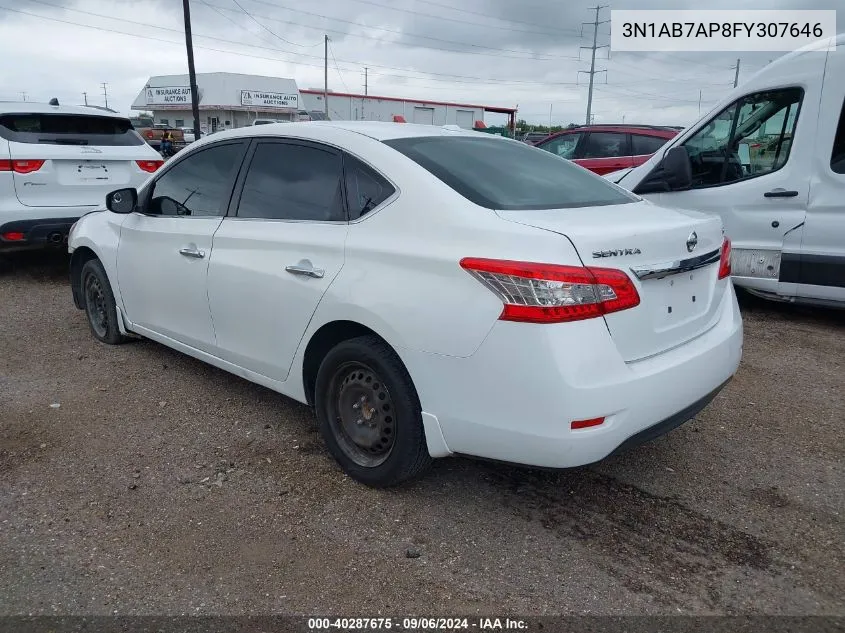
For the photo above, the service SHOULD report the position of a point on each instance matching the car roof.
(657, 131)
(378, 130)
(32, 107)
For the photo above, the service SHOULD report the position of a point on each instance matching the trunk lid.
(676, 305)
(73, 175)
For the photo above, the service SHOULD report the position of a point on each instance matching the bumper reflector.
(584, 424)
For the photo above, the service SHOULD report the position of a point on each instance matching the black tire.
(386, 444)
(99, 304)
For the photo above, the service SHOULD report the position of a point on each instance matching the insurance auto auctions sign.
(269, 99)
(168, 95)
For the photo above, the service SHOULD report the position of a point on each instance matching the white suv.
(57, 163)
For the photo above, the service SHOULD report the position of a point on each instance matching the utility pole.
(699, 103)
(550, 116)
(85, 96)
(594, 47)
(192, 72)
(736, 76)
(105, 93)
(365, 80)
(326, 74)
(23, 96)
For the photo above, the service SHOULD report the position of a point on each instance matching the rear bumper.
(515, 398)
(37, 233)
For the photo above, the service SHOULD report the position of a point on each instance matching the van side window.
(837, 159)
(749, 138)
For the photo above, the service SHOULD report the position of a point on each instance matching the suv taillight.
(21, 166)
(149, 166)
(725, 259)
(550, 293)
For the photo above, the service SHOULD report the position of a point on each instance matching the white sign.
(168, 95)
(723, 30)
(269, 99)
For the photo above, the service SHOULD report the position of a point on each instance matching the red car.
(606, 148)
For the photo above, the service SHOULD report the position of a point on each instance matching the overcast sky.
(521, 53)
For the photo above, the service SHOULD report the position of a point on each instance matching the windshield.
(500, 174)
(68, 129)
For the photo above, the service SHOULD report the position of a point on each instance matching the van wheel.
(369, 413)
(99, 303)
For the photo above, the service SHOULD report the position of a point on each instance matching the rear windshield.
(508, 175)
(68, 129)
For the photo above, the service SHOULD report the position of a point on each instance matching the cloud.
(496, 52)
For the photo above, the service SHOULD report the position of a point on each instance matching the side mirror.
(122, 200)
(673, 173)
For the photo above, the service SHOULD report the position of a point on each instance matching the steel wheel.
(96, 306)
(362, 414)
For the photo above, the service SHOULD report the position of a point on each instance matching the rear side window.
(837, 159)
(365, 187)
(605, 145)
(501, 174)
(68, 129)
(287, 181)
(642, 144)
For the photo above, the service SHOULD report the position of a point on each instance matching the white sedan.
(429, 291)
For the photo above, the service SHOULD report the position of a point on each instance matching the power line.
(477, 80)
(509, 20)
(522, 54)
(432, 16)
(337, 68)
(455, 79)
(279, 37)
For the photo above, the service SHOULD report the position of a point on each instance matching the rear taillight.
(149, 134)
(550, 293)
(21, 166)
(13, 236)
(149, 166)
(725, 260)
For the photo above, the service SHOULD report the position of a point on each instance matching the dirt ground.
(136, 480)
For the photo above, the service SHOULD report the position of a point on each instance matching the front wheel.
(99, 303)
(369, 413)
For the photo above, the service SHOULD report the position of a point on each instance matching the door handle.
(192, 252)
(780, 193)
(306, 270)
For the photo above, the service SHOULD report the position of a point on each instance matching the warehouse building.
(354, 107)
(226, 100)
(232, 100)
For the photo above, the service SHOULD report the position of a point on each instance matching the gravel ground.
(136, 480)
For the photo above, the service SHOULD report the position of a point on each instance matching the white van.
(770, 160)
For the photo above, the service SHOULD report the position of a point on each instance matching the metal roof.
(499, 109)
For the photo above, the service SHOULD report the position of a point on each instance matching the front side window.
(497, 173)
(563, 145)
(198, 185)
(287, 181)
(837, 158)
(365, 188)
(751, 137)
(605, 145)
